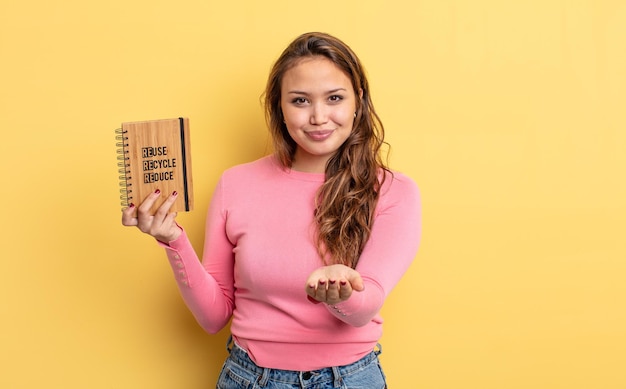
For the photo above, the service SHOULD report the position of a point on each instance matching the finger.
(345, 290)
(310, 289)
(164, 210)
(127, 216)
(145, 207)
(332, 293)
(320, 291)
(310, 293)
(311, 285)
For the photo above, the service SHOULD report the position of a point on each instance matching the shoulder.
(254, 175)
(399, 197)
(262, 166)
(399, 192)
(398, 184)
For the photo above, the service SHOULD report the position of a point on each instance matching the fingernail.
(174, 193)
(131, 205)
(157, 191)
(343, 282)
(332, 282)
(322, 282)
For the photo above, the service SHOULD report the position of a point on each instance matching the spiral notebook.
(155, 154)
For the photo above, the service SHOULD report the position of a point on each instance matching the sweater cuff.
(180, 241)
(178, 252)
(339, 309)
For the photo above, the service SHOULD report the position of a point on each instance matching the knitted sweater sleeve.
(387, 255)
(207, 286)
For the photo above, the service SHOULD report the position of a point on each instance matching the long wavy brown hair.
(347, 199)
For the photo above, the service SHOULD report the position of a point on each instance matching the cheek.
(344, 117)
(291, 116)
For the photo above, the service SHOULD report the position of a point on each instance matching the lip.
(319, 135)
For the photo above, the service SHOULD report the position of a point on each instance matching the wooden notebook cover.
(158, 156)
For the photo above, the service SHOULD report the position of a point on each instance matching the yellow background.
(510, 115)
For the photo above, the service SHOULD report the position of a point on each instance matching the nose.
(319, 114)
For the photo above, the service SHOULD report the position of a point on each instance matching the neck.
(309, 165)
(308, 168)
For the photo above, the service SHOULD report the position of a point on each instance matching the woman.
(302, 246)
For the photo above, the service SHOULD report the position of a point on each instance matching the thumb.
(356, 281)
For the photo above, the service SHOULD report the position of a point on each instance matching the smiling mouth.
(319, 135)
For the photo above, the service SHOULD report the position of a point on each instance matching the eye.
(299, 101)
(335, 98)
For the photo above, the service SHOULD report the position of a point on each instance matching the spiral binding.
(123, 168)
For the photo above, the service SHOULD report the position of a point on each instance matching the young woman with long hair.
(302, 246)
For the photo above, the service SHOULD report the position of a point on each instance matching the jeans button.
(306, 375)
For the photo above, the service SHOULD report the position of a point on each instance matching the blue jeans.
(239, 372)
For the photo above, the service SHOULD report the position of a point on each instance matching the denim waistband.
(241, 357)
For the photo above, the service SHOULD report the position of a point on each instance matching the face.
(318, 104)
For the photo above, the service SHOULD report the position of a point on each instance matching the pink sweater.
(258, 252)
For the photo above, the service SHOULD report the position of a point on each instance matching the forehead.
(315, 72)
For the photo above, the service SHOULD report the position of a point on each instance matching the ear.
(359, 103)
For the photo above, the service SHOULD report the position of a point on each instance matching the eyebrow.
(330, 92)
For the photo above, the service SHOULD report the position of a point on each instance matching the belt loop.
(264, 377)
(380, 349)
(229, 342)
(337, 376)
